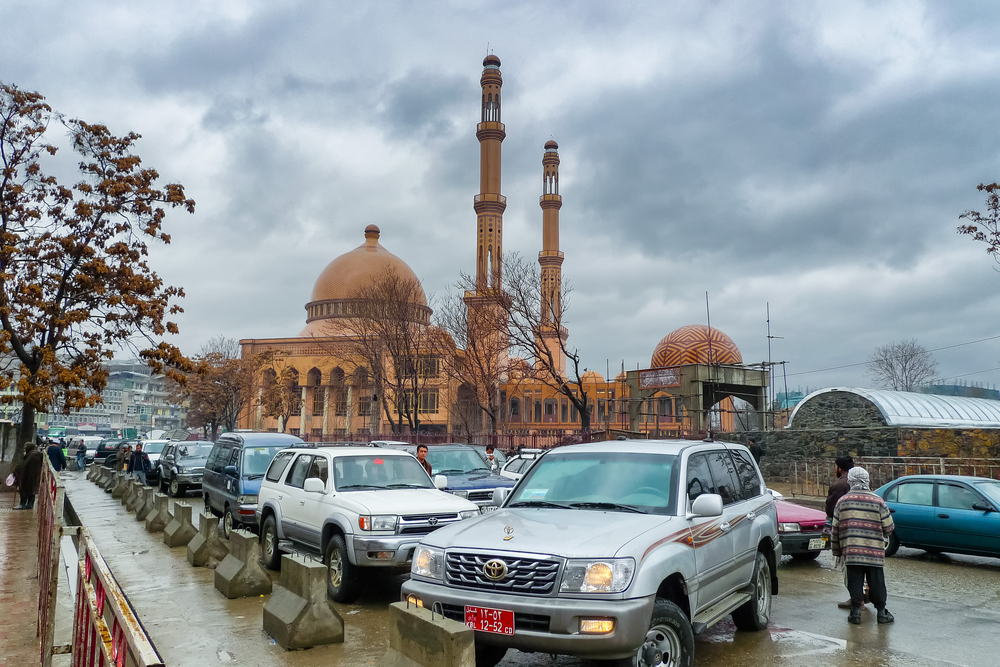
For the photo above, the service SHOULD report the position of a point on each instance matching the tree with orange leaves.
(75, 285)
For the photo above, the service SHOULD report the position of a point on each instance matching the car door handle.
(725, 526)
(890, 511)
(943, 516)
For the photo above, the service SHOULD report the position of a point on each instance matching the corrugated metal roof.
(906, 408)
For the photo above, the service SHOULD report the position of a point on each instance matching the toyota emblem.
(495, 569)
(433, 521)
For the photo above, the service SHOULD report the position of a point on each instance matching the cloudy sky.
(814, 156)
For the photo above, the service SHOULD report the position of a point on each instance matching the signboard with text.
(654, 378)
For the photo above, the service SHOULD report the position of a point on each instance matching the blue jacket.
(57, 457)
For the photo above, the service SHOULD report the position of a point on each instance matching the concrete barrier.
(159, 516)
(131, 488)
(180, 530)
(240, 574)
(120, 487)
(430, 639)
(92, 473)
(145, 505)
(136, 498)
(205, 549)
(110, 481)
(299, 614)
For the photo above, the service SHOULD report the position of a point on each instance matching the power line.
(865, 363)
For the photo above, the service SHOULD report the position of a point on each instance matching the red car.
(800, 530)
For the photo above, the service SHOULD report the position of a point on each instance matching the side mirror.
(440, 482)
(983, 507)
(314, 485)
(231, 470)
(500, 495)
(707, 504)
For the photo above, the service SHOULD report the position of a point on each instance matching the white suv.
(354, 506)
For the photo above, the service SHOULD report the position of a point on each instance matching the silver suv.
(617, 550)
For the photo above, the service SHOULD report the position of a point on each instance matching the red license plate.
(497, 621)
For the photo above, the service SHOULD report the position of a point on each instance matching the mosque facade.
(335, 397)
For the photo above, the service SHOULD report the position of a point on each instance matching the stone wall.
(838, 409)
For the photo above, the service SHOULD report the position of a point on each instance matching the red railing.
(50, 532)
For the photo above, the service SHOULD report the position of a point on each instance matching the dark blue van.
(233, 473)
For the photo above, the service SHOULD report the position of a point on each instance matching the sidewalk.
(18, 584)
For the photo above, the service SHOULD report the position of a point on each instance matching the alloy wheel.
(335, 569)
(268, 544)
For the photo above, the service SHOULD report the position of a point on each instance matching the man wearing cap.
(861, 526)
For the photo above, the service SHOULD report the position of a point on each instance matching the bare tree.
(901, 366)
(985, 227)
(281, 396)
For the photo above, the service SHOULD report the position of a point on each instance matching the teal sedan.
(944, 513)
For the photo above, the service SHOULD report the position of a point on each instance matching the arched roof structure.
(906, 408)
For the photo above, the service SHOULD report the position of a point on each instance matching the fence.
(106, 630)
(507, 441)
(812, 477)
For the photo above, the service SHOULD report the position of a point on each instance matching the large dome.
(340, 281)
(691, 345)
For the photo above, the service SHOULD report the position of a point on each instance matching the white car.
(516, 466)
(353, 506)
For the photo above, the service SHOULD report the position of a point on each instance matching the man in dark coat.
(55, 452)
(838, 490)
(28, 475)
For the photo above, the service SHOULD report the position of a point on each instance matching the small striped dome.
(690, 345)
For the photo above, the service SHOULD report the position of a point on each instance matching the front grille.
(809, 527)
(417, 530)
(527, 576)
(425, 517)
(422, 524)
(481, 495)
(531, 622)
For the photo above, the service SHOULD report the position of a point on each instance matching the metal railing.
(813, 476)
(50, 531)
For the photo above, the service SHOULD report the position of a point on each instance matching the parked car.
(614, 551)
(356, 507)
(233, 473)
(152, 449)
(465, 472)
(182, 464)
(92, 442)
(107, 448)
(944, 513)
(801, 530)
(517, 465)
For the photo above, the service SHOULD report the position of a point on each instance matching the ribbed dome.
(592, 376)
(690, 345)
(339, 283)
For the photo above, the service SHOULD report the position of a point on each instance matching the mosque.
(693, 375)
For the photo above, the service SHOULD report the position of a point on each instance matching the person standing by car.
(81, 456)
(422, 457)
(491, 458)
(837, 490)
(861, 526)
(138, 464)
(55, 453)
(28, 475)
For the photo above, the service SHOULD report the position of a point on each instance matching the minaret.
(550, 258)
(489, 203)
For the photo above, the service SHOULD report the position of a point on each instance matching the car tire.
(755, 614)
(208, 504)
(893, 546)
(270, 555)
(229, 522)
(669, 638)
(343, 581)
(808, 555)
(489, 656)
(163, 483)
(176, 488)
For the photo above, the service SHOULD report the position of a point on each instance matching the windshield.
(153, 447)
(455, 461)
(375, 471)
(194, 451)
(257, 459)
(601, 480)
(991, 489)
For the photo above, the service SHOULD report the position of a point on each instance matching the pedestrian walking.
(81, 456)
(138, 464)
(861, 526)
(422, 457)
(28, 475)
(837, 490)
(56, 455)
(124, 457)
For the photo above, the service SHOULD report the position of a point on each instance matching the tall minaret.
(550, 258)
(489, 203)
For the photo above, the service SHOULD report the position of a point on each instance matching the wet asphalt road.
(947, 610)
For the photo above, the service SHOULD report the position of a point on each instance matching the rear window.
(278, 466)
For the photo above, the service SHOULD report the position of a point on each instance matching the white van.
(91, 441)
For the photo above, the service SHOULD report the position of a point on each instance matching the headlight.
(789, 528)
(180, 470)
(460, 494)
(468, 514)
(247, 500)
(428, 562)
(597, 576)
(379, 522)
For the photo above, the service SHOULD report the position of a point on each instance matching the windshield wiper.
(359, 486)
(256, 476)
(608, 506)
(451, 471)
(480, 470)
(400, 485)
(536, 503)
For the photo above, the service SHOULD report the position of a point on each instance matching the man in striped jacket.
(861, 526)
